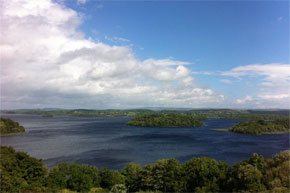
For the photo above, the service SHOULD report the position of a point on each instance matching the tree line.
(22, 173)
(204, 113)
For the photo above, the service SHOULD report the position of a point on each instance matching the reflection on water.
(107, 142)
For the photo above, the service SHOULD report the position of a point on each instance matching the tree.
(56, 179)
(204, 174)
(20, 172)
(98, 190)
(163, 175)
(258, 161)
(277, 174)
(73, 176)
(245, 177)
(110, 178)
(118, 188)
(82, 177)
(132, 173)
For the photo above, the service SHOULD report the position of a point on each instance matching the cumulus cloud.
(46, 62)
(162, 70)
(244, 100)
(274, 89)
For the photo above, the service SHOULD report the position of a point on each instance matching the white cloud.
(274, 75)
(81, 1)
(46, 62)
(244, 100)
(227, 81)
(164, 73)
(116, 39)
(274, 90)
(164, 62)
(275, 96)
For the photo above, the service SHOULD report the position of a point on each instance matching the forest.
(166, 120)
(22, 173)
(10, 127)
(262, 127)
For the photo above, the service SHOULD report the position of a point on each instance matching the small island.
(166, 120)
(261, 127)
(10, 127)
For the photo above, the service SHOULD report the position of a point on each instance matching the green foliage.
(118, 188)
(8, 127)
(166, 120)
(261, 175)
(204, 175)
(80, 178)
(132, 173)
(22, 173)
(163, 175)
(66, 191)
(98, 190)
(249, 178)
(262, 127)
(278, 172)
(110, 178)
(56, 179)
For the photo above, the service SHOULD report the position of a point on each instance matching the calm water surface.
(107, 142)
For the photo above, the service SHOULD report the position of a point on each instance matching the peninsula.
(10, 127)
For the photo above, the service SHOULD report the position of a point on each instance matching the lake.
(107, 142)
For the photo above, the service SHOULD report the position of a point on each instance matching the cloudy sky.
(130, 54)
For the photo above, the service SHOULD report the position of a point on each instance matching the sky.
(133, 54)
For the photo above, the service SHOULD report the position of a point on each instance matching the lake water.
(107, 142)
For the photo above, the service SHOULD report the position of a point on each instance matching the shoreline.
(9, 134)
(265, 133)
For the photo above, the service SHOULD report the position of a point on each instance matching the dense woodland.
(262, 127)
(22, 173)
(10, 127)
(166, 120)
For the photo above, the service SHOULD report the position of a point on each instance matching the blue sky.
(213, 35)
(234, 48)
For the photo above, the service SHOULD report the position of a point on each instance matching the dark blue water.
(107, 142)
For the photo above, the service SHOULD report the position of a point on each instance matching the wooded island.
(262, 127)
(166, 120)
